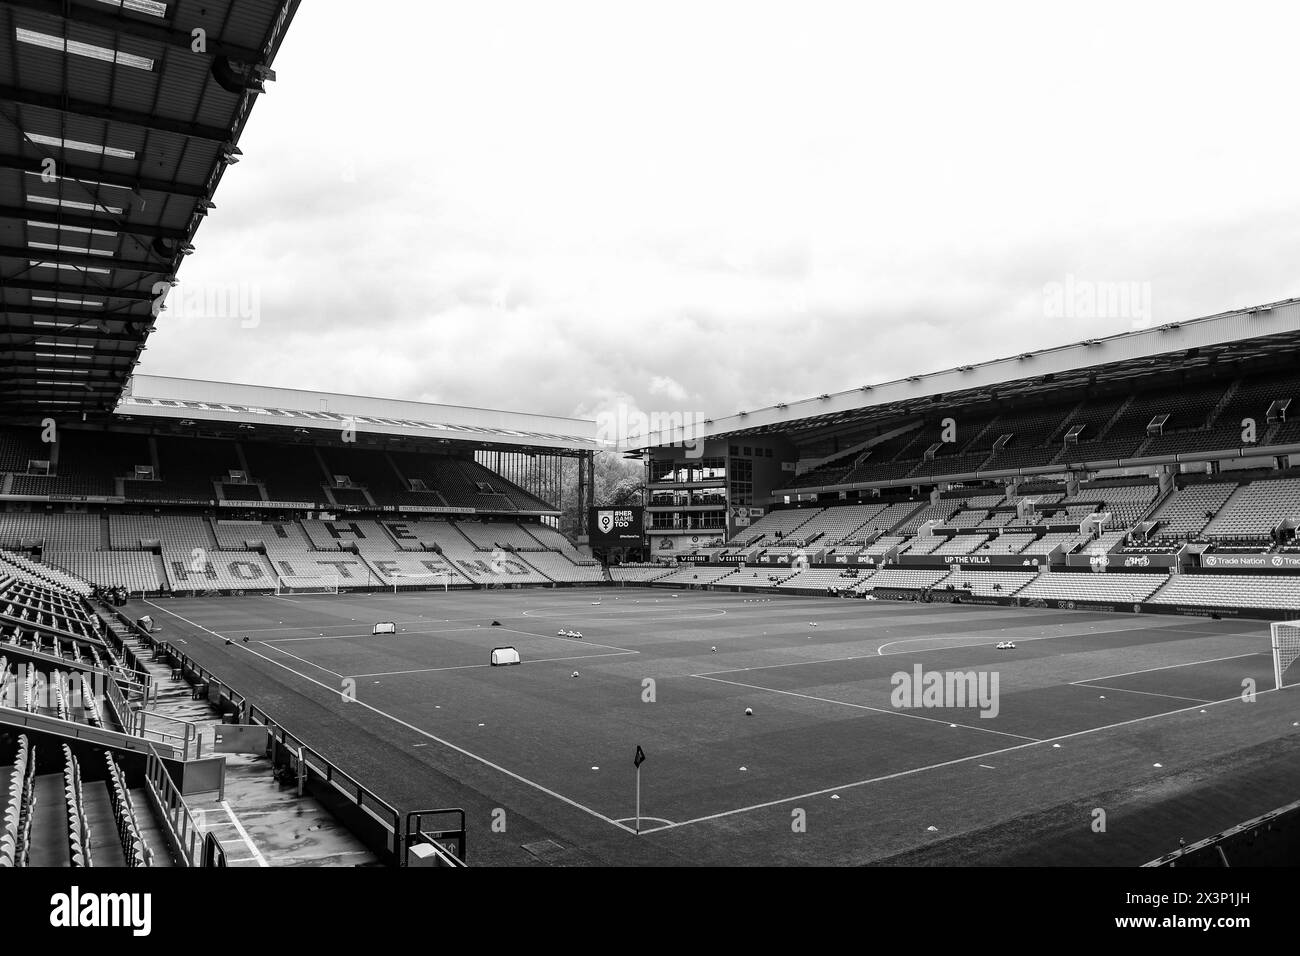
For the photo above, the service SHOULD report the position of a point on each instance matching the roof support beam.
(25, 285)
(63, 217)
(82, 260)
(78, 358)
(97, 316)
(63, 104)
(18, 374)
(160, 32)
(135, 185)
(87, 332)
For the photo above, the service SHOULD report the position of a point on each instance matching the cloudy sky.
(707, 206)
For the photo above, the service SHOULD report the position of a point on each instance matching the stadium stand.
(249, 535)
(987, 583)
(820, 579)
(346, 534)
(1252, 511)
(189, 469)
(559, 568)
(137, 571)
(287, 472)
(409, 569)
(689, 575)
(935, 511)
(1230, 590)
(1188, 510)
(170, 532)
(500, 534)
(774, 526)
(834, 525)
(961, 544)
(54, 576)
(217, 570)
(1121, 588)
(638, 573)
(882, 545)
(63, 532)
(1008, 543)
(903, 578)
(1068, 541)
(496, 567)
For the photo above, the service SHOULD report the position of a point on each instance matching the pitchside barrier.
(1271, 839)
(376, 823)
(425, 846)
(937, 595)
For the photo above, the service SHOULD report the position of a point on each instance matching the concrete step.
(150, 829)
(105, 847)
(49, 841)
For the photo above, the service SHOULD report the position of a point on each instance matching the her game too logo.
(616, 520)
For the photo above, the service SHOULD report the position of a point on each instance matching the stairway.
(1212, 419)
(105, 848)
(1104, 431)
(1224, 508)
(49, 839)
(150, 831)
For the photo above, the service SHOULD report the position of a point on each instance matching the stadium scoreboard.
(617, 527)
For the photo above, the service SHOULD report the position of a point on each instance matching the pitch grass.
(826, 770)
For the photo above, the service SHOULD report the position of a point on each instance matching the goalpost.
(1286, 652)
(420, 581)
(321, 584)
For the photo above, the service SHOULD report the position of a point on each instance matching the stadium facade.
(1162, 455)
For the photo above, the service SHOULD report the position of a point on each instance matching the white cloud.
(541, 207)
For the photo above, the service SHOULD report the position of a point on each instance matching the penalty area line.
(947, 763)
(414, 729)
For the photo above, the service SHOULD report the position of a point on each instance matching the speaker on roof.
(238, 78)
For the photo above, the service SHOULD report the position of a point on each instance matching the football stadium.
(1042, 610)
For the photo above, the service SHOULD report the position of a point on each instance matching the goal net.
(1286, 652)
(320, 584)
(416, 582)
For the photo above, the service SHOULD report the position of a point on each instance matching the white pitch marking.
(281, 650)
(243, 834)
(878, 710)
(409, 726)
(1145, 693)
(462, 667)
(948, 763)
(1212, 660)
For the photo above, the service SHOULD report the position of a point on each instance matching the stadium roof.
(118, 119)
(324, 414)
(1256, 335)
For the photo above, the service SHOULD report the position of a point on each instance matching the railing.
(136, 665)
(134, 849)
(193, 847)
(378, 823)
(448, 844)
(189, 732)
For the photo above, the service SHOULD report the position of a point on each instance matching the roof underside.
(115, 131)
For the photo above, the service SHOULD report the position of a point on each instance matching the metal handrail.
(186, 834)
